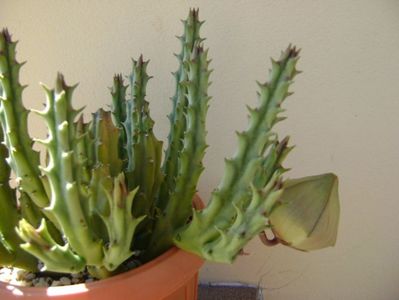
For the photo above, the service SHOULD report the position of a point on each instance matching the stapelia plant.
(104, 196)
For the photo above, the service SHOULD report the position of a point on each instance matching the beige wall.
(343, 116)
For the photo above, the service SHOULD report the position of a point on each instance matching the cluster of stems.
(105, 194)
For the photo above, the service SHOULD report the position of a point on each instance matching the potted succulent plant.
(105, 201)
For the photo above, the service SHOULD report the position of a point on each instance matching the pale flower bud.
(307, 218)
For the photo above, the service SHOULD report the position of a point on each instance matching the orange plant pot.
(171, 276)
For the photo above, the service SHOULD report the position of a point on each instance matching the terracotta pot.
(171, 276)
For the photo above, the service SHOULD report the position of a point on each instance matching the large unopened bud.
(307, 218)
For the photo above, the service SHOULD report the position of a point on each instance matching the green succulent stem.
(177, 117)
(56, 258)
(81, 150)
(107, 142)
(99, 272)
(120, 223)
(238, 209)
(9, 217)
(118, 93)
(34, 215)
(179, 208)
(68, 201)
(6, 256)
(23, 160)
(10, 252)
(144, 150)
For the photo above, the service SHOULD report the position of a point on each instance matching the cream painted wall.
(343, 116)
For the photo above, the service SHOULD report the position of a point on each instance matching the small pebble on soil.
(21, 277)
